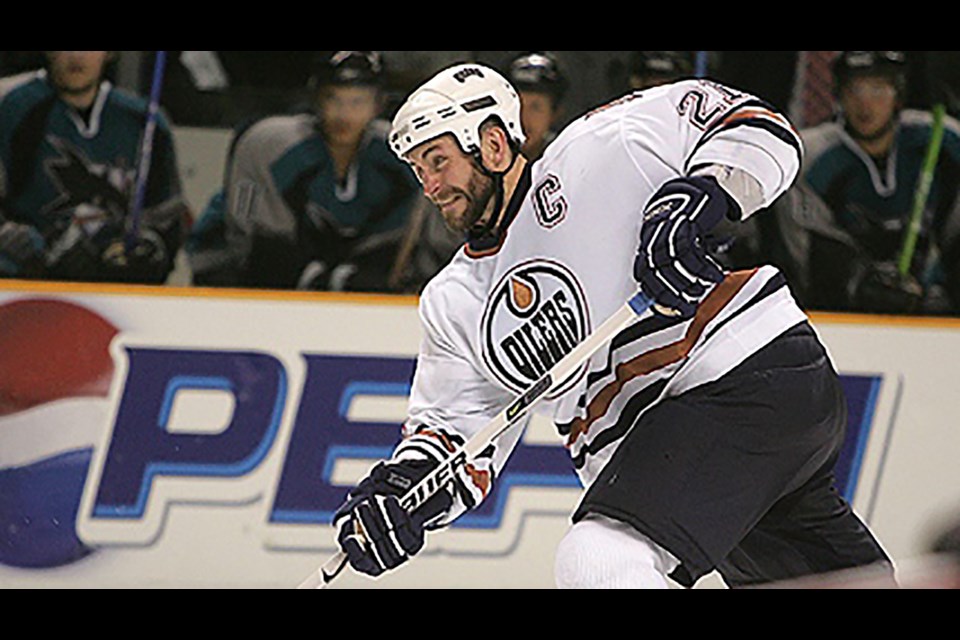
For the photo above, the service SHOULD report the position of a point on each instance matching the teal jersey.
(70, 174)
(373, 199)
(868, 207)
(873, 201)
(284, 209)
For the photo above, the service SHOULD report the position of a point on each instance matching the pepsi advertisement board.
(205, 440)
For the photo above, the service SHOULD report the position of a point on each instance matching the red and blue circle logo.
(55, 376)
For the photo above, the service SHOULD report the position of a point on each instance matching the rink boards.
(167, 438)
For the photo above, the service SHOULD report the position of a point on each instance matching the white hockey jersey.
(506, 311)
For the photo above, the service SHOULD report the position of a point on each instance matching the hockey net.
(814, 97)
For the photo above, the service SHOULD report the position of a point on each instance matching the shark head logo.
(84, 184)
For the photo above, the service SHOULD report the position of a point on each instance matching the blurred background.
(227, 87)
(254, 83)
(270, 173)
(214, 101)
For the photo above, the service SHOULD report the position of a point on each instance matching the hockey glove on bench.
(375, 532)
(673, 266)
(22, 250)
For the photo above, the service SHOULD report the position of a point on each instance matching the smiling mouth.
(448, 203)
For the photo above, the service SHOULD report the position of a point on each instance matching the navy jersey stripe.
(644, 399)
(774, 285)
(635, 333)
(628, 417)
(650, 362)
(783, 134)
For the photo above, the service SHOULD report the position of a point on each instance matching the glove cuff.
(711, 186)
(427, 445)
(472, 483)
(707, 203)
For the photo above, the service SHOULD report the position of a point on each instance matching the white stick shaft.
(326, 574)
(555, 378)
(508, 418)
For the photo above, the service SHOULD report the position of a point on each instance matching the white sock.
(600, 553)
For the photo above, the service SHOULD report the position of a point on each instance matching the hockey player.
(705, 436)
(542, 87)
(860, 178)
(315, 200)
(430, 243)
(69, 150)
(649, 69)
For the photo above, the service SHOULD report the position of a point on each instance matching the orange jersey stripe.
(756, 112)
(483, 480)
(664, 357)
(438, 436)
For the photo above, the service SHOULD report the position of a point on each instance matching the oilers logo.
(537, 315)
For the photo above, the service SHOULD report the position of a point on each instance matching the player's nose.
(431, 185)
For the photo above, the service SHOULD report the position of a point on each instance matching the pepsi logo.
(55, 376)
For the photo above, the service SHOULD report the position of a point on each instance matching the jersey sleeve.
(5, 127)
(15, 104)
(949, 227)
(451, 400)
(696, 124)
(3, 184)
(253, 204)
(241, 193)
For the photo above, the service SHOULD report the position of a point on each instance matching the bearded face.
(452, 180)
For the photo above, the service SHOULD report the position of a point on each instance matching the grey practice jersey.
(504, 312)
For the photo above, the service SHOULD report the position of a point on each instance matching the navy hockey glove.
(374, 530)
(22, 250)
(674, 267)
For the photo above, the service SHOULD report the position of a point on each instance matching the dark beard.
(480, 192)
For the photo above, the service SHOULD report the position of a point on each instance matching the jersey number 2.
(705, 105)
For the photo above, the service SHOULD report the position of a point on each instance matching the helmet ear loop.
(487, 228)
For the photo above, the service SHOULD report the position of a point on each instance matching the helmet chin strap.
(487, 228)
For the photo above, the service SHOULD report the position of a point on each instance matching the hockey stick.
(922, 196)
(146, 153)
(702, 69)
(555, 378)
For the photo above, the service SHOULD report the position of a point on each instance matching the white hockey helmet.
(457, 101)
